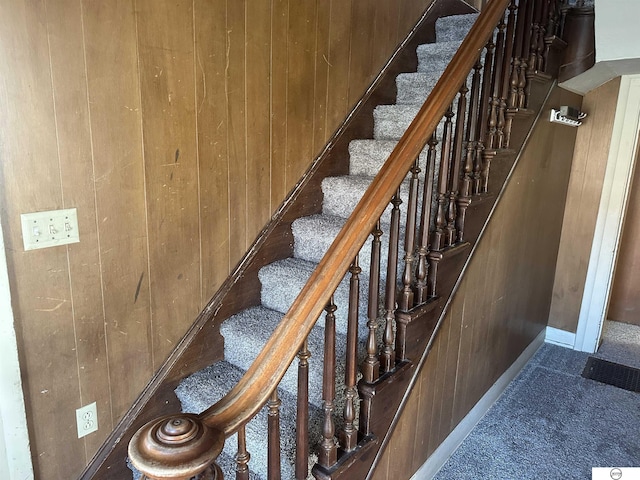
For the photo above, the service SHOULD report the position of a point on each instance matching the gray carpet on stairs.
(551, 423)
(246, 332)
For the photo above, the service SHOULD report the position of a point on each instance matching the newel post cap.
(175, 447)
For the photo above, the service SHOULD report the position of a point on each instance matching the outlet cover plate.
(87, 419)
(49, 229)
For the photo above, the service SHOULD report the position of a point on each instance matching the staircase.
(303, 416)
(246, 332)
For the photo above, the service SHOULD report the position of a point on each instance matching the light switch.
(49, 229)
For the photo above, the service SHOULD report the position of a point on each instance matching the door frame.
(613, 205)
(15, 453)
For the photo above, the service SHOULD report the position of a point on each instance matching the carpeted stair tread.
(367, 156)
(314, 234)
(202, 389)
(255, 324)
(433, 57)
(342, 194)
(391, 121)
(454, 27)
(413, 88)
(283, 280)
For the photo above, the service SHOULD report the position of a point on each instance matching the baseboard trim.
(560, 337)
(455, 438)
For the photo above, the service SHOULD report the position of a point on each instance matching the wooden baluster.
(437, 242)
(512, 103)
(523, 82)
(551, 30)
(371, 364)
(464, 199)
(302, 414)
(388, 349)
(349, 434)
(242, 457)
(328, 454)
(405, 301)
(273, 447)
(493, 137)
(542, 34)
(485, 96)
(506, 117)
(422, 293)
(535, 31)
(456, 159)
(443, 182)
(564, 8)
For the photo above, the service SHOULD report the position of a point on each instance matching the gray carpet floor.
(620, 343)
(551, 423)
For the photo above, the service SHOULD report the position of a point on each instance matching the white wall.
(15, 456)
(617, 29)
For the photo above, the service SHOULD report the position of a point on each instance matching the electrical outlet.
(87, 419)
(49, 229)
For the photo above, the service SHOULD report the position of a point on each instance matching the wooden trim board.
(560, 337)
(15, 454)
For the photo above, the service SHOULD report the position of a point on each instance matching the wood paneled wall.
(490, 323)
(583, 201)
(175, 128)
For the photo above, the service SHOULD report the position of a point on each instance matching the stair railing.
(482, 89)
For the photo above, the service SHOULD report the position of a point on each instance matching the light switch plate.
(49, 229)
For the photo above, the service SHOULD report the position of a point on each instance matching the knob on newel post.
(177, 447)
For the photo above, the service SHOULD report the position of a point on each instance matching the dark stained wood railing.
(506, 46)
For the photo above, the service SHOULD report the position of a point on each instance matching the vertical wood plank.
(401, 452)
(323, 33)
(382, 469)
(469, 314)
(279, 91)
(385, 31)
(167, 85)
(451, 368)
(423, 423)
(69, 81)
(258, 77)
(236, 127)
(411, 11)
(339, 58)
(300, 88)
(438, 380)
(363, 15)
(115, 112)
(213, 166)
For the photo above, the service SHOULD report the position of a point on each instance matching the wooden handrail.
(163, 441)
(255, 387)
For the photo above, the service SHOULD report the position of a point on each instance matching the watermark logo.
(615, 473)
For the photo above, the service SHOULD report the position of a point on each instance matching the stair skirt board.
(246, 332)
(456, 437)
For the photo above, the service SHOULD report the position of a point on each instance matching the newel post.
(177, 447)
